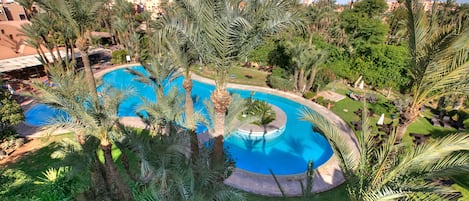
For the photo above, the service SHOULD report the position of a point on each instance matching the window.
(22, 17)
(3, 31)
(11, 36)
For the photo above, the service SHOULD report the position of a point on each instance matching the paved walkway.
(330, 95)
(326, 177)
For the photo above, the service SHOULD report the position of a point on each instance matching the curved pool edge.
(327, 176)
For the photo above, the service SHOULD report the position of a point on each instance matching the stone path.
(330, 95)
(326, 177)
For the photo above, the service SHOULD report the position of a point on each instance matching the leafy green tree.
(439, 60)
(11, 114)
(391, 172)
(371, 8)
(397, 25)
(322, 21)
(363, 25)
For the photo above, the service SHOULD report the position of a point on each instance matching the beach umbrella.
(380, 120)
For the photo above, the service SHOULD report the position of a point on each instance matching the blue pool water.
(287, 154)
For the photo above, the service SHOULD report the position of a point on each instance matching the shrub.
(280, 83)
(279, 72)
(309, 95)
(259, 109)
(11, 114)
(118, 56)
(320, 100)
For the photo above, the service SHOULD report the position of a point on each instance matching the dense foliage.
(11, 114)
(259, 110)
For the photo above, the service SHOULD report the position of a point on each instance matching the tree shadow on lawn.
(17, 178)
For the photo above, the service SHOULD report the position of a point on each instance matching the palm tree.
(166, 111)
(34, 40)
(391, 171)
(166, 173)
(124, 23)
(439, 60)
(307, 61)
(28, 5)
(224, 30)
(71, 95)
(80, 16)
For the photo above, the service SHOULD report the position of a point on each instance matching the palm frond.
(345, 154)
(428, 155)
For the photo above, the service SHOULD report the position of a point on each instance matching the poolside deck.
(326, 177)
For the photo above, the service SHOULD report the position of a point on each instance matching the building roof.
(32, 60)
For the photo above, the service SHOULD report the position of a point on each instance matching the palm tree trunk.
(119, 188)
(67, 49)
(187, 84)
(100, 190)
(221, 99)
(72, 52)
(401, 130)
(312, 76)
(89, 76)
(301, 81)
(410, 115)
(218, 152)
(295, 79)
(189, 104)
(194, 145)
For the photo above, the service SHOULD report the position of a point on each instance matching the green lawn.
(17, 179)
(237, 74)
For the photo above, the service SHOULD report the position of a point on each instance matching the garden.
(400, 72)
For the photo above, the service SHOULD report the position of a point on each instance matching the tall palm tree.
(166, 111)
(125, 25)
(224, 30)
(34, 40)
(307, 61)
(80, 16)
(71, 95)
(391, 171)
(439, 60)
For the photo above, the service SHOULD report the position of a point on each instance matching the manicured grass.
(423, 126)
(237, 74)
(17, 179)
(339, 193)
(345, 109)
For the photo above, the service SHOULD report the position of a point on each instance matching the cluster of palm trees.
(218, 33)
(215, 31)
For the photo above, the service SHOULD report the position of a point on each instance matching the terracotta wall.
(12, 40)
(12, 12)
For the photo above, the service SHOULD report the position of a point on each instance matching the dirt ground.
(29, 147)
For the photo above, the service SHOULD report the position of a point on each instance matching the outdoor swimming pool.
(286, 155)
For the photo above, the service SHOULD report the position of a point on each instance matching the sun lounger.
(436, 121)
(447, 122)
